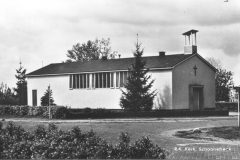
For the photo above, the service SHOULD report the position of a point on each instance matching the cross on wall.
(195, 70)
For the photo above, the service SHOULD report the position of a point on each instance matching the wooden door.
(196, 98)
(34, 97)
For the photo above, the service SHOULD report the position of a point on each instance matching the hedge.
(108, 113)
(33, 111)
(229, 106)
(61, 112)
(52, 143)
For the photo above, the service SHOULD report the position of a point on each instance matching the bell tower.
(190, 41)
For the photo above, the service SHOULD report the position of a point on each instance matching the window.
(102, 80)
(98, 80)
(121, 78)
(79, 81)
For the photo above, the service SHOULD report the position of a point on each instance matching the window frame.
(98, 80)
(79, 81)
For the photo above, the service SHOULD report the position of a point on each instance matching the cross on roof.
(137, 38)
(20, 63)
(195, 70)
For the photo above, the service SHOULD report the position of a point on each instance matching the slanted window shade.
(108, 82)
(111, 80)
(104, 80)
(87, 80)
(117, 79)
(121, 79)
(125, 76)
(70, 81)
(79, 81)
(93, 81)
(100, 80)
(74, 81)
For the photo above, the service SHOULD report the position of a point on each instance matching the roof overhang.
(63, 74)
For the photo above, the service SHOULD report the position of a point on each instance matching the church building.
(182, 81)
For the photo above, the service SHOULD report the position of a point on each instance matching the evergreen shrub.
(53, 143)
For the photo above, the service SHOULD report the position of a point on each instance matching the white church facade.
(182, 81)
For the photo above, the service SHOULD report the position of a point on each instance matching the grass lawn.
(212, 134)
(154, 130)
(109, 131)
(158, 133)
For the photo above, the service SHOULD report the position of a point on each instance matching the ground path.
(201, 149)
(117, 120)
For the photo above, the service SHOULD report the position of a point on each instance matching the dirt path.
(202, 149)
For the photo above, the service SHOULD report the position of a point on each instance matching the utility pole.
(238, 111)
(49, 105)
(237, 88)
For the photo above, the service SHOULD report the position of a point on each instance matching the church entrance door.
(196, 97)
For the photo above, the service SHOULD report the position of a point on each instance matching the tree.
(223, 84)
(92, 50)
(223, 80)
(137, 95)
(21, 90)
(47, 97)
(215, 62)
(7, 96)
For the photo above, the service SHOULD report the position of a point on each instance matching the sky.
(39, 32)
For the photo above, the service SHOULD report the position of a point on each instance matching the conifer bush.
(47, 98)
(137, 94)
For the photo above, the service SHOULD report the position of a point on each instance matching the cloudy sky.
(41, 31)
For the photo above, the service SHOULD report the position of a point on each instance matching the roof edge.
(40, 69)
(203, 59)
(44, 75)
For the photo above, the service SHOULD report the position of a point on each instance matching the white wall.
(163, 87)
(93, 98)
(75, 98)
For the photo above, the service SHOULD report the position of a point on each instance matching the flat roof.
(190, 32)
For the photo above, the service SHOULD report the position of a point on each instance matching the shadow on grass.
(226, 132)
(193, 134)
(211, 134)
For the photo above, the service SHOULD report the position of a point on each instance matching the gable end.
(201, 58)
